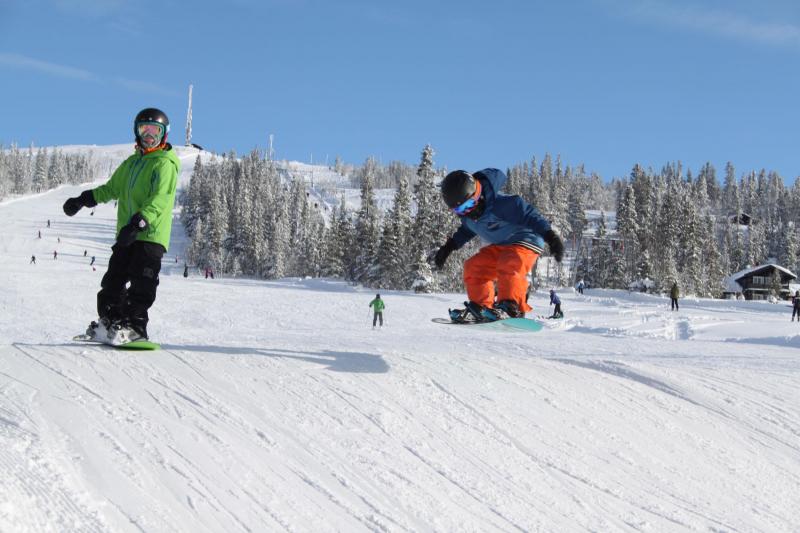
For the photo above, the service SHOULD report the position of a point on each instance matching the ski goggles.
(470, 203)
(150, 133)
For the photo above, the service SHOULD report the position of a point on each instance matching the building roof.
(732, 281)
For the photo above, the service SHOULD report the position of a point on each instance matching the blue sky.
(605, 82)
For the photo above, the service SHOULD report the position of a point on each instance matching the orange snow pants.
(505, 264)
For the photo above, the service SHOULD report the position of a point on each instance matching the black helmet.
(151, 114)
(457, 187)
(377, 296)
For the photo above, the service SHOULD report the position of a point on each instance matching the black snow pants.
(139, 265)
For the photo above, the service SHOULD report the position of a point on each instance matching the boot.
(472, 312)
(510, 308)
(126, 331)
(98, 329)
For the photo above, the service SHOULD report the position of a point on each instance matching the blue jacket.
(506, 219)
(554, 299)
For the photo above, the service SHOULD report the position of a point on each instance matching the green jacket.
(144, 184)
(674, 292)
(378, 304)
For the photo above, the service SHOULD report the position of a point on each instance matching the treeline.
(674, 226)
(37, 170)
(244, 219)
(670, 225)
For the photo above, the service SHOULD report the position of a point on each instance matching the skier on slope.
(144, 186)
(378, 306)
(516, 233)
(555, 300)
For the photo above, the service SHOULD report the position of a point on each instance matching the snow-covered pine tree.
(576, 216)
(278, 255)
(756, 244)
(336, 242)
(216, 228)
(788, 248)
(715, 267)
(691, 244)
(40, 182)
(395, 252)
(731, 200)
(668, 231)
(367, 228)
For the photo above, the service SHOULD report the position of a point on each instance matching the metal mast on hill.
(189, 119)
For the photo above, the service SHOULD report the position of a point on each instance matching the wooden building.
(760, 282)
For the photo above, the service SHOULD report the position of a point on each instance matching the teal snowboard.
(133, 345)
(508, 324)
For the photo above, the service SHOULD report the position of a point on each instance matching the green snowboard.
(133, 345)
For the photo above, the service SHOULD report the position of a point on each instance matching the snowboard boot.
(493, 314)
(472, 312)
(126, 331)
(99, 328)
(459, 315)
(510, 308)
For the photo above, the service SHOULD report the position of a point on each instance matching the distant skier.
(92, 263)
(40, 234)
(144, 184)
(555, 300)
(209, 273)
(516, 233)
(55, 254)
(33, 260)
(581, 286)
(185, 270)
(48, 222)
(377, 306)
(84, 253)
(796, 306)
(674, 294)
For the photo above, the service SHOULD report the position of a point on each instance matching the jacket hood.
(491, 183)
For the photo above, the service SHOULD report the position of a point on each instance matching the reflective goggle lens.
(152, 129)
(469, 204)
(466, 207)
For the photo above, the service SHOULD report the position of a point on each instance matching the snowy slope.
(274, 406)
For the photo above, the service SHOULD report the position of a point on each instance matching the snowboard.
(507, 324)
(140, 344)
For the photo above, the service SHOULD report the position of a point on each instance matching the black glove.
(73, 205)
(443, 253)
(127, 235)
(555, 244)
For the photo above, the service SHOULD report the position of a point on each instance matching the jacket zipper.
(132, 181)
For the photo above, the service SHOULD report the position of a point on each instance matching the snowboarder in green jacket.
(143, 187)
(378, 306)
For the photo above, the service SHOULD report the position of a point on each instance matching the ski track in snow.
(274, 406)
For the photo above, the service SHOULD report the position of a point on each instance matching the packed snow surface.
(274, 405)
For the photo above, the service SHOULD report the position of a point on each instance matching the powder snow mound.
(274, 405)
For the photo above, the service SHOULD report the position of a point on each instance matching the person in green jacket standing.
(377, 306)
(144, 188)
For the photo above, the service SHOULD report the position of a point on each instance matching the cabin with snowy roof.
(760, 283)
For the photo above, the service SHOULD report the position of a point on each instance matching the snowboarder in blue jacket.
(555, 300)
(516, 233)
